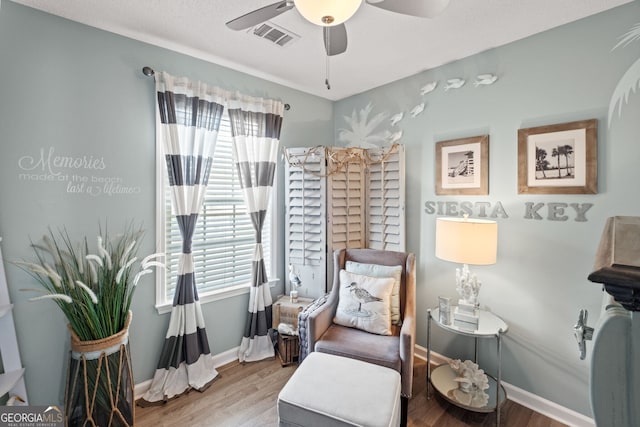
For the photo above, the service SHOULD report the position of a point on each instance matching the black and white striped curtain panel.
(188, 122)
(255, 128)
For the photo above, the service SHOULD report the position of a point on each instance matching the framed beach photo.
(462, 166)
(558, 159)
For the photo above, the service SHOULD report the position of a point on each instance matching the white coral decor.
(470, 376)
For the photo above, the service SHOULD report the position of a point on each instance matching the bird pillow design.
(377, 270)
(365, 302)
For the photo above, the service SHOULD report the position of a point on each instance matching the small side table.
(489, 326)
(285, 311)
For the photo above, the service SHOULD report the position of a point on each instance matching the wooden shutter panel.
(346, 201)
(305, 222)
(346, 198)
(386, 199)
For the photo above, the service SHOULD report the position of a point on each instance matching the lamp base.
(467, 285)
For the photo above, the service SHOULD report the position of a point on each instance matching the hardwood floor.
(245, 395)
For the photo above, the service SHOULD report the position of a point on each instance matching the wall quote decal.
(76, 174)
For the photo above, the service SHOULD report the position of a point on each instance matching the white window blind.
(224, 238)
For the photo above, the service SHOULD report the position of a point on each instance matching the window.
(223, 241)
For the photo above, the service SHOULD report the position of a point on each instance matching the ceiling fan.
(331, 15)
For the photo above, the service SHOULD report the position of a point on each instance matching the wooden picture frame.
(558, 159)
(462, 166)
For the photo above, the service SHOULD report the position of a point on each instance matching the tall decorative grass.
(93, 288)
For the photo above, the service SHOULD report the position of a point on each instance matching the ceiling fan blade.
(258, 16)
(420, 8)
(335, 39)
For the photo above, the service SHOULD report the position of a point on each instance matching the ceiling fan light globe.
(327, 13)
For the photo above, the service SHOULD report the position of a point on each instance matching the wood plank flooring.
(245, 396)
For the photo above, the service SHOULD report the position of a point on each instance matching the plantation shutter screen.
(306, 221)
(386, 200)
(223, 239)
(345, 203)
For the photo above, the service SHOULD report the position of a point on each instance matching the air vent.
(274, 34)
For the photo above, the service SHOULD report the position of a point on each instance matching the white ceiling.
(383, 46)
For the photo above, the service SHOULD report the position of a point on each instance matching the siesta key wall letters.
(551, 211)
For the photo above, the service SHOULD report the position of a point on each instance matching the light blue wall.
(80, 91)
(540, 280)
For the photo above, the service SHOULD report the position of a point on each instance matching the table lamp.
(466, 241)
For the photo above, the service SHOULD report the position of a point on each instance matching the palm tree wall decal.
(361, 133)
(630, 81)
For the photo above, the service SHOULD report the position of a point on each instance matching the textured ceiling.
(383, 46)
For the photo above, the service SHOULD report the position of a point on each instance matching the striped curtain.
(189, 116)
(255, 128)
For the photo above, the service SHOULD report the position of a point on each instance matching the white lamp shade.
(327, 13)
(467, 241)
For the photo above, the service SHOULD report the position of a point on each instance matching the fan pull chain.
(327, 43)
(326, 80)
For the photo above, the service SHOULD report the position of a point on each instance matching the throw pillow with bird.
(365, 302)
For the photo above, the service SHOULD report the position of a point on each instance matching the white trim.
(529, 400)
(547, 407)
(220, 359)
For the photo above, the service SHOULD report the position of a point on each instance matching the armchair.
(394, 351)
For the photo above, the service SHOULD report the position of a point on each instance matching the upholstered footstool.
(328, 390)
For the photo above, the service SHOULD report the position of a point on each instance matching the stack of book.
(465, 317)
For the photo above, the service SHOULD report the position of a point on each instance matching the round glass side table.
(442, 377)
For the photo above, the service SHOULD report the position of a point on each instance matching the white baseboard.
(219, 359)
(526, 399)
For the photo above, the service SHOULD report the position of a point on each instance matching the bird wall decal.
(454, 84)
(396, 118)
(429, 87)
(485, 79)
(417, 110)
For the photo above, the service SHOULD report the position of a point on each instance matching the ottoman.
(328, 390)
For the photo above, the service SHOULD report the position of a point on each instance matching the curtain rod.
(149, 72)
